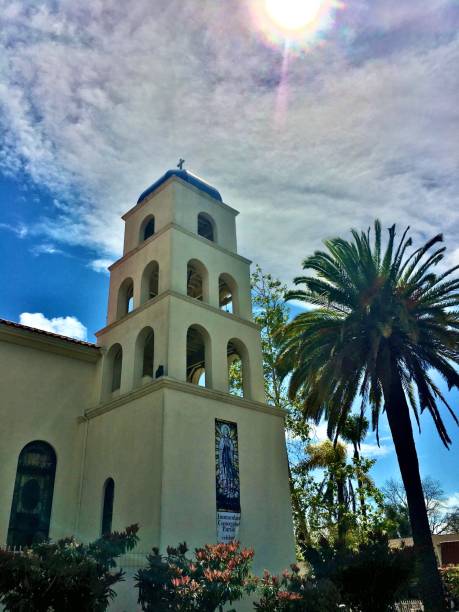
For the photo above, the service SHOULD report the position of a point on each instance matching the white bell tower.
(179, 313)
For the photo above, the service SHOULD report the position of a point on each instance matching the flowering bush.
(65, 575)
(218, 574)
(450, 575)
(294, 592)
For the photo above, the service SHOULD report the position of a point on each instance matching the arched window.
(206, 227)
(125, 298)
(147, 228)
(198, 356)
(238, 369)
(33, 495)
(149, 288)
(144, 355)
(117, 366)
(228, 294)
(107, 508)
(197, 280)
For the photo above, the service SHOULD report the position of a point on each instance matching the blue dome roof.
(185, 176)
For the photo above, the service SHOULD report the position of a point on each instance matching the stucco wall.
(125, 444)
(188, 499)
(42, 394)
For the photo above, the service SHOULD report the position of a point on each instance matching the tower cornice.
(171, 180)
(168, 227)
(167, 382)
(180, 296)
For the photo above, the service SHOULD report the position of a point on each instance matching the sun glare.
(296, 24)
(293, 15)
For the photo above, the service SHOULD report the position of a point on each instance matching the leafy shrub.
(450, 575)
(373, 577)
(293, 592)
(65, 575)
(218, 574)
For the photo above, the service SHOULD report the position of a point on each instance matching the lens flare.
(299, 24)
(291, 15)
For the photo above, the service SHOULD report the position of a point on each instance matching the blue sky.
(358, 121)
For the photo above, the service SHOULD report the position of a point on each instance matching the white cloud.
(46, 249)
(452, 501)
(100, 265)
(99, 102)
(65, 326)
(20, 230)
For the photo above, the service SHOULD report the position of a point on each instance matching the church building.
(141, 427)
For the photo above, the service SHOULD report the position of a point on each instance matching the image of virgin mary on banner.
(227, 481)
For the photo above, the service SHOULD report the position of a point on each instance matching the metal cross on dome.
(180, 163)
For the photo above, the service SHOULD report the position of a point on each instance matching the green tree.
(441, 518)
(384, 323)
(329, 504)
(271, 313)
(354, 432)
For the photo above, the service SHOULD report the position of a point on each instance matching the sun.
(293, 15)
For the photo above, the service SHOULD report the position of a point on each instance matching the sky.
(353, 117)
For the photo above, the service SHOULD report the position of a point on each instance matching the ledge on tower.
(186, 176)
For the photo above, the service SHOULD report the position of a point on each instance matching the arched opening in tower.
(227, 292)
(237, 368)
(195, 283)
(148, 354)
(206, 227)
(196, 357)
(150, 282)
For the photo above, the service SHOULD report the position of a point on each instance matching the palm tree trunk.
(402, 434)
(342, 527)
(363, 506)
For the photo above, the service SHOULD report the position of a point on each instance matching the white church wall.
(42, 395)
(190, 201)
(125, 444)
(189, 491)
(160, 205)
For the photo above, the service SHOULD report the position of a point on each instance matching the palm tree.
(331, 456)
(354, 432)
(384, 323)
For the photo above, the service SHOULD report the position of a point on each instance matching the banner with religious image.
(227, 481)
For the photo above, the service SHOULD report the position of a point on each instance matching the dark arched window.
(147, 228)
(33, 495)
(117, 368)
(107, 508)
(148, 355)
(206, 227)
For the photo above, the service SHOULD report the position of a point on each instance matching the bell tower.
(187, 459)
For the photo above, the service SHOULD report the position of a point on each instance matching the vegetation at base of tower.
(217, 575)
(294, 592)
(65, 575)
(371, 577)
(382, 325)
(450, 575)
(345, 507)
(442, 519)
(271, 313)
